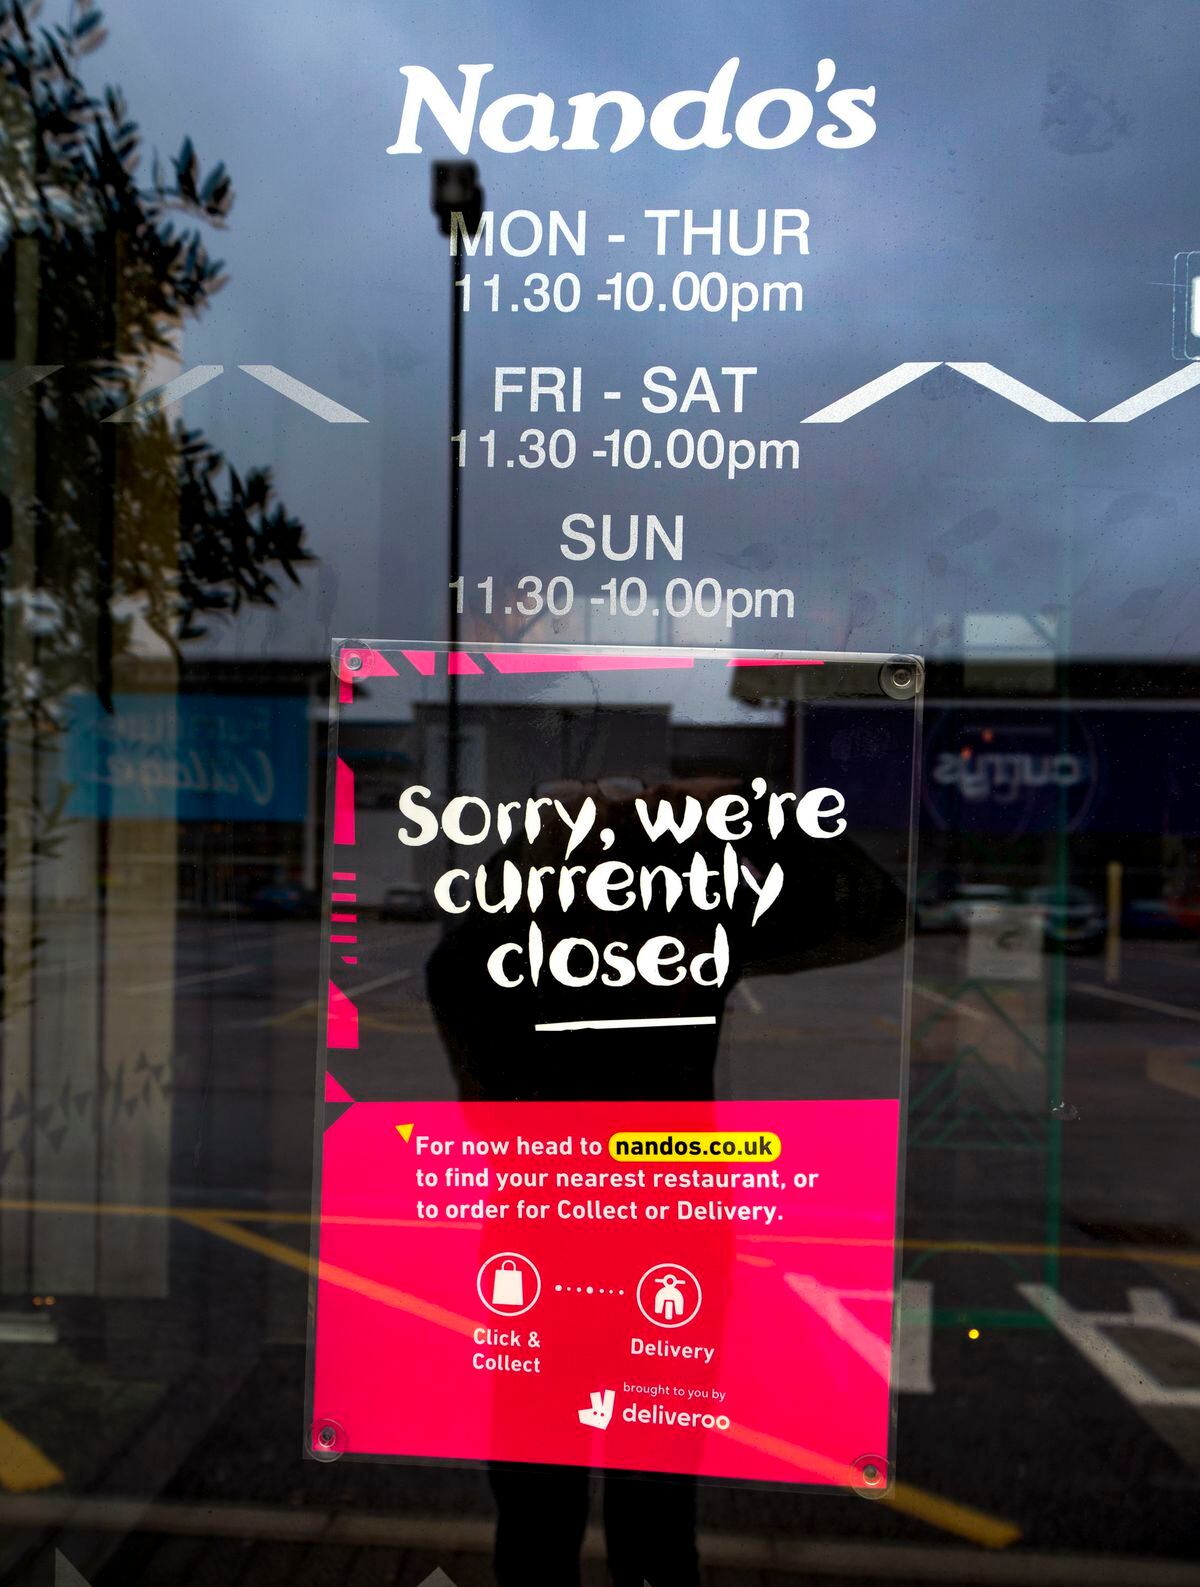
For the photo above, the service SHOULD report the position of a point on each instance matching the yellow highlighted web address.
(725, 1146)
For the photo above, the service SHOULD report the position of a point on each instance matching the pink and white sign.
(690, 1287)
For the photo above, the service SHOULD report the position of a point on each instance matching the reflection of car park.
(284, 901)
(949, 907)
(933, 913)
(406, 902)
(978, 901)
(1161, 917)
(1071, 917)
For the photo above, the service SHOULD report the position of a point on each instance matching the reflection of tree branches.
(116, 279)
(113, 538)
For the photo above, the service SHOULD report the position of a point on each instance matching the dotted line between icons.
(585, 1289)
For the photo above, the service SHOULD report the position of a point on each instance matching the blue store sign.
(191, 757)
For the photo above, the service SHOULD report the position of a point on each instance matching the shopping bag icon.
(508, 1286)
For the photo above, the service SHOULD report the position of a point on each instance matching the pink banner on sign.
(541, 1297)
(341, 1020)
(343, 804)
(775, 661)
(513, 662)
(335, 1091)
(460, 664)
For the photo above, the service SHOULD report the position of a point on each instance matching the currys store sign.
(191, 757)
(1010, 772)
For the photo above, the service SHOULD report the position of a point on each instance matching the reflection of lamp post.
(456, 192)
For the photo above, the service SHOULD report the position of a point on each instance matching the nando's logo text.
(613, 119)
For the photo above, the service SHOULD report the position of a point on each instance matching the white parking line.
(309, 1006)
(470, 1535)
(193, 980)
(752, 1002)
(383, 980)
(948, 1002)
(1151, 1003)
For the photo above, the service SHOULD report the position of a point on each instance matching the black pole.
(458, 204)
(452, 723)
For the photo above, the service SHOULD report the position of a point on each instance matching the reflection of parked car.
(934, 913)
(406, 902)
(977, 901)
(1072, 917)
(950, 907)
(1160, 917)
(284, 901)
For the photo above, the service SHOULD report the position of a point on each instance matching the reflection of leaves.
(969, 531)
(231, 539)
(1137, 607)
(754, 558)
(120, 1094)
(105, 531)
(50, 823)
(144, 523)
(863, 606)
(1077, 120)
(1132, 504)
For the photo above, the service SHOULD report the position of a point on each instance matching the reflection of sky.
(1030, 180)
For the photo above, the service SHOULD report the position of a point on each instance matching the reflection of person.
(669, 1299)
(836, 906)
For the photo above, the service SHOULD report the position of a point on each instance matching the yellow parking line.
(23, 1467)
(1149, 1255)
(387, 1294)
(950, 1516)
(946, 1514)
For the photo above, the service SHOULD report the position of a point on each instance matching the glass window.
(598, 632)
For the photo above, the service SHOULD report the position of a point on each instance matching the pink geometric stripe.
(341, 1025)
(425, 661)
(461, 664)
(335, 1091)
(370, 665)
(343, 804)
(773, 661)
(507, 662)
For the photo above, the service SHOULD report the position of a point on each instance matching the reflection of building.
(1008, 774)
(233, 759)
(499, 743)
(89, 904)
(1107, 768)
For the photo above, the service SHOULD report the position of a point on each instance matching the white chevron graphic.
(847, 407)
(27, 376)
(65, 1574)
(192, 380)
(163, 396)
(874, 391)
(296, 391)
(1153, 397)
(1016, 391)
(1011, 389)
